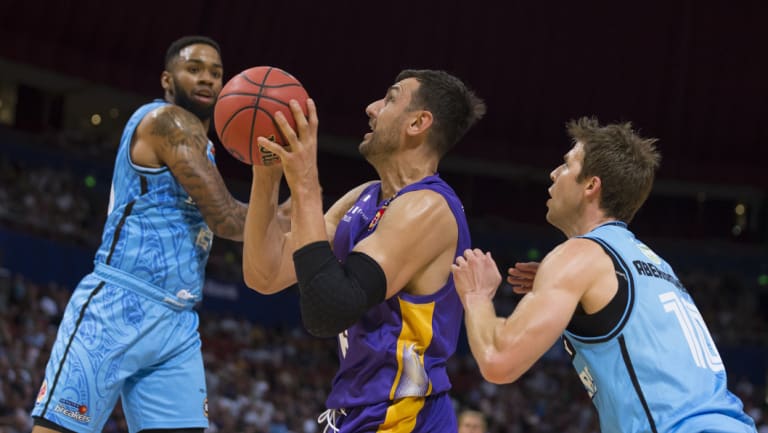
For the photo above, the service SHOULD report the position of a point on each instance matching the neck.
(589, 221)
(398, 171)
(596, 224)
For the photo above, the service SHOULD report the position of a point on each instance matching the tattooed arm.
(171, 136)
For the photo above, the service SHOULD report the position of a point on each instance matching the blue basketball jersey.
(400, 347)
(657, 369)
(155, 239)
(129, 330)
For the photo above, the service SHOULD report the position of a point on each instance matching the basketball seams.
(255, 112)
(266, 97)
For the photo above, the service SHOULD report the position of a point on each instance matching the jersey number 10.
(697, 336)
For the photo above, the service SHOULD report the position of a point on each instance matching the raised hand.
(299, 156)
(476, 273)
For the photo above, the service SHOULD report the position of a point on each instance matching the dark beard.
(203, 112)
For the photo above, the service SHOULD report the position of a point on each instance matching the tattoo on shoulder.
(177, 126)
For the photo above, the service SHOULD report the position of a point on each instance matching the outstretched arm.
(174, 137)
(505, 348)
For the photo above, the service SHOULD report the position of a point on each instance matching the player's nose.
(206, 77)
(553, 174)
(373, 108)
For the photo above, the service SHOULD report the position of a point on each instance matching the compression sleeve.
(333, 296)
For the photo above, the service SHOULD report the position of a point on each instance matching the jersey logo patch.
(204, 238)
(589, 383)
(647, 252)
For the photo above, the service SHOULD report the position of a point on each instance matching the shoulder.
(576, 262)
(421, 201)
(342, 205)
(574, 251)
(352, 195)
(419, 211)
(170, 119)
(356, 191)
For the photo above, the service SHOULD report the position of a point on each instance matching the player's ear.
(165, 81)
(420, 122)
(594, 185)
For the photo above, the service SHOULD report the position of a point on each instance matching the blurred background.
(691, 73)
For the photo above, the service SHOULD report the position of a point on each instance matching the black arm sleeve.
(333, 296)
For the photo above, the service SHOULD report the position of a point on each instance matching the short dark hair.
(624, 161)
(179, 44)
(454, 107)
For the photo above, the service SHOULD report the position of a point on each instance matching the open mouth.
(203, 96)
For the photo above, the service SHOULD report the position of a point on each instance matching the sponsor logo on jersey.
(204, 238)
(589, 383)
(76, 411)
(43, 392)
(649, 253)
(205, 407)
(184, 295)
(354, 210)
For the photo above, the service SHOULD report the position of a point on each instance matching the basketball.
(246, 110)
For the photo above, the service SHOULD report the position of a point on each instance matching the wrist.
(475, 300)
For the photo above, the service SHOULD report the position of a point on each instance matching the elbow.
(255, 280)
(498, 371)
(318, 326)
(323, 319)
(258, 283)
(496, 377)
(319, 330)
(231, 231)
(252, 281)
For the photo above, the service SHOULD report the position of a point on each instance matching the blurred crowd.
(266, 379)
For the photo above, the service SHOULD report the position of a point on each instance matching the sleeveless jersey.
(399, 348)
(155, 240)
(658, 369)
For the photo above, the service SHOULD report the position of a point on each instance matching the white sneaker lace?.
(329, 418)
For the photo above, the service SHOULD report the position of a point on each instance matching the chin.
(549, 217)
(363, 148)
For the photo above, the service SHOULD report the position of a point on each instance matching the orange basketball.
(246, 110)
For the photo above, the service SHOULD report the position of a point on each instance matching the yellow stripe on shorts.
(401, 415)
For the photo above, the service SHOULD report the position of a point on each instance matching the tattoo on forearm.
(184, 142)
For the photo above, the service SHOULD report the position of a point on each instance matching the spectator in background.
(472, 421)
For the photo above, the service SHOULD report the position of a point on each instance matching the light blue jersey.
(129, 330)
(647, 360)
(154, 231)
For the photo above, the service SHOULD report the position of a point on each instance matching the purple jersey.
(399, 348)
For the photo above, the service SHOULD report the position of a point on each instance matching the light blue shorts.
(114, 342)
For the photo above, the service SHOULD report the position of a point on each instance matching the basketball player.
(375, 270)
(634, 335)
(129, 329)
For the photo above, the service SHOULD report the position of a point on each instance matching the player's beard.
(382, 142)
(183, 100)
